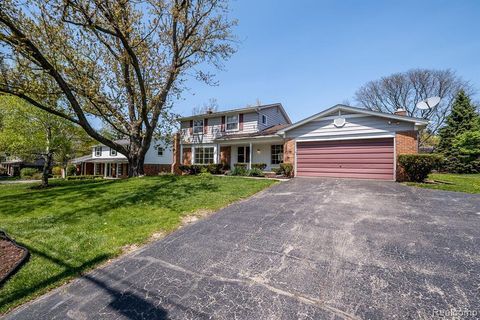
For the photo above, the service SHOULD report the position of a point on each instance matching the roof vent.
(400, 112)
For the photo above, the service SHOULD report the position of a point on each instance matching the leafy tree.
(32, 133)
(120, 62)
(406, 89)
(463, 117)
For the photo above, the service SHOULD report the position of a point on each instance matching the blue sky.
(310, 55)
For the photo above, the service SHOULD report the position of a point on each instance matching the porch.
(107, 169)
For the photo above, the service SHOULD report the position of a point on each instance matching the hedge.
(418, 166)
(213, 168)
(84, 177)
(29, 173)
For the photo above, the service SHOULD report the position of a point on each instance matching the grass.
(76, 225)
(469, 183)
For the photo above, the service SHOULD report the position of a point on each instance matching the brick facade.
(225, 155)
(155, 169)
(406, 142)
(289, 152)
(176, 154)
(187, 156)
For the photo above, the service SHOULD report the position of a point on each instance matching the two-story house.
(246, 135)
(109, 163)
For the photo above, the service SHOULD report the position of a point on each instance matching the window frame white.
(203, 158)
(113, 152)
(237, 116)
(98, 151)
(160, 151)
(277, 153)
(194, 129)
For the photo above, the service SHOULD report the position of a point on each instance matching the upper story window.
(98, 151)
(159, 151)
(232, 123)
(113, 152)
(264, 119)
(198, 126)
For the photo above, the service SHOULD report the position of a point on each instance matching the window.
(277, 154)
(98, 151)
(243, 154)
(159, 151)
(198, 126)
(204, 155)
(232, 123)
(113, 152)
(264, 119)
(119, 169)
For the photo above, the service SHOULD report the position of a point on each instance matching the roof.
(417, 121)
(238, 110)
(81, 159)
(120, 141)
(268, 132)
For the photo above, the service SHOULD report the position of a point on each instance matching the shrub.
(27, 173)
(57, 171)
(418, 166)
(212, 168)
(71, 170)
(260, 166)
(3, 171)
(255, 172)
(238, 171)
(277, 170)
(241, 165)
(286, 169)
(84, 177)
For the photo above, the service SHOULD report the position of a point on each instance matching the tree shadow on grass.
(99, 198)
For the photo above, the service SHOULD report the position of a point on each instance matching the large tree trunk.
(136, 158)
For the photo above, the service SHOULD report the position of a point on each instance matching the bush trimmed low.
(255, 172)
(286, 169)
(260, 166)
(212, 168)
(417, 167)
(241, 165)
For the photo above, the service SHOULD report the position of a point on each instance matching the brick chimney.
(400, 112)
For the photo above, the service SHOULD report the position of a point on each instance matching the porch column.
(94, 168)
(250, 157)
(105, 169)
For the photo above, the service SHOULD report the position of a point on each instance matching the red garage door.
(366, 159)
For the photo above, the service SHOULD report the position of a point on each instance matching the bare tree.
(120, 61)
(405, 90)
(210, 106)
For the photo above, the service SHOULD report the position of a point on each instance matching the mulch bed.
(12, 257)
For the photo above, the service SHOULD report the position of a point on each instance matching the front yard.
(469, 183)
(77, 225)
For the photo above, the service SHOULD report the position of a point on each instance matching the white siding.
(250, 125)
(274, 117)
(355, 126)
(151, 157)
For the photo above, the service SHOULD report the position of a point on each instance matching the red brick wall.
(176, 154)
(155, 169)
(289, 152)
(406, 142)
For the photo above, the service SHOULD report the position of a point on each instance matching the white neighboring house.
(109, 163)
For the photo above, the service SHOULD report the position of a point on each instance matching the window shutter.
(240, 120)
(223, 124)
(205, 125)
(191, 127)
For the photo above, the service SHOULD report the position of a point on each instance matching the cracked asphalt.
(303, 249)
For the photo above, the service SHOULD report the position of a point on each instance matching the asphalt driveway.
(304, 249)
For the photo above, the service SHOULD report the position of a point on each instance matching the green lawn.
(76, 225)
(469, 183)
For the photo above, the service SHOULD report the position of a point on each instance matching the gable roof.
(238, 110)
(417, 121)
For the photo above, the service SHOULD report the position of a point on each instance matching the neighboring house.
(13, 165)
(341, 141)
(109, 163)
(247, 135)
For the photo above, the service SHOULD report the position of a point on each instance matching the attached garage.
(349, 142)
(363, 158)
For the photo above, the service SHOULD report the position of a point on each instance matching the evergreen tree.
(462, 118)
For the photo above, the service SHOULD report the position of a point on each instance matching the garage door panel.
(380, 155)
(366, 159)
(349, 165)
(315, 151)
